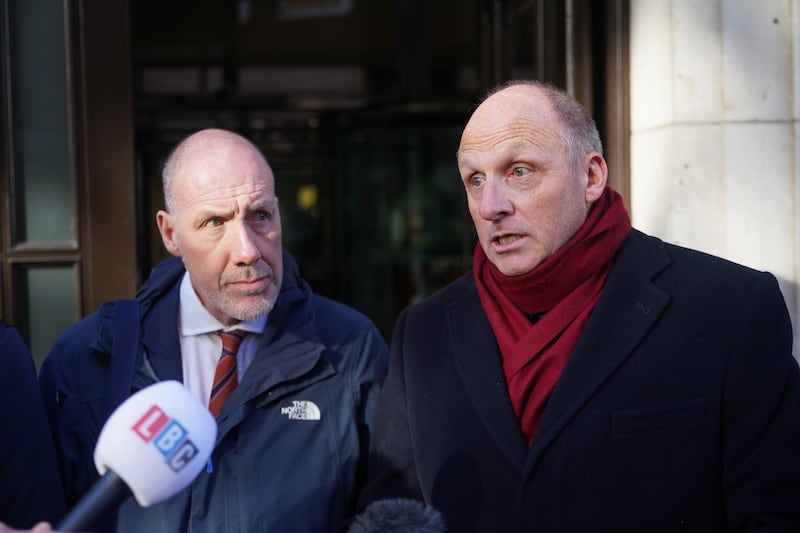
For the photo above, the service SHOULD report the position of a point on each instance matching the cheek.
(269, 243)
(204, 261)
(570, 220)
(193, 249)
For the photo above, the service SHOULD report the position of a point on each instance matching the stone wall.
(715, 102)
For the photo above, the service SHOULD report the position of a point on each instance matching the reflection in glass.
(50, 296)
(41, 164)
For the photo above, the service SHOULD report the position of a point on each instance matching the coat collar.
(628, 308)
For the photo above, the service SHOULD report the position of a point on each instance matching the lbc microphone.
(151, 447)
(398, 515)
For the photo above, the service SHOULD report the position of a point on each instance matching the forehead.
(516, 119)
(222, 169)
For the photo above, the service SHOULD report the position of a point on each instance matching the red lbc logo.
(168, 436)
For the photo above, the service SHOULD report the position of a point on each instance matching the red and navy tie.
(225, 379)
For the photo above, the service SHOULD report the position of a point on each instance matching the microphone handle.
(105, 496)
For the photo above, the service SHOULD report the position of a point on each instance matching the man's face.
(525, 196)
(226, 226)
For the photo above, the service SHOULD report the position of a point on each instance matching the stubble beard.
(245, 305)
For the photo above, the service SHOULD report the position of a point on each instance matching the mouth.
(501, 240)
(252, 284)
(507, 239)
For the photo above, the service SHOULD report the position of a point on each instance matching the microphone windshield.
(398, 515)
(157, 441)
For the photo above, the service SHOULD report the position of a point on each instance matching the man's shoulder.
(681, 257)
(9, 334)
(356, 345)
(689, 275)
(92, 333)
(460, 291)
(16, 358)
(87, 327)
(337, 316)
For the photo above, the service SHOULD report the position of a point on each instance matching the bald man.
(293, 395)
(585, 377)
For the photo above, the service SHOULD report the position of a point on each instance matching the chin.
(247, 308)
(515, 268)
(251, 312)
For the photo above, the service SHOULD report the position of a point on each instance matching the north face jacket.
(274, 467)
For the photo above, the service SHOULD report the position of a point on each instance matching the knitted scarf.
(563, 289)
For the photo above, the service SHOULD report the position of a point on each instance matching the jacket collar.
(290, 342)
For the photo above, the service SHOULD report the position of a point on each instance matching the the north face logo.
(301, 410)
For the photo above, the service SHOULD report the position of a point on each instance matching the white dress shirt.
(201, 347)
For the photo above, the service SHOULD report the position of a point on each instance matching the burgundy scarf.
(565, 287)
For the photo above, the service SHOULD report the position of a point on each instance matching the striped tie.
(225, 379)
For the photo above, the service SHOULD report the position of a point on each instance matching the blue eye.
(477, 181)
(520, 171)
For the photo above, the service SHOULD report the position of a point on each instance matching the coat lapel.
(477, 360)
(628, 308)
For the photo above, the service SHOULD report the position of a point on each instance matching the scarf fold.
(565, 288)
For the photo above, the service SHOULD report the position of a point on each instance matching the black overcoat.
(678, 410)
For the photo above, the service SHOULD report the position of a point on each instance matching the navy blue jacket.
(272, 471)
(30, 487)
(678, 410)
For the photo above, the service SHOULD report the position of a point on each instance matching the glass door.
(67, 239)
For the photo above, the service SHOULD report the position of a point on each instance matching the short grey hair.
(170, 165)
(204, 138)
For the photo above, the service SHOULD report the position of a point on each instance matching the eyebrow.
(263, 203)
(223, 212)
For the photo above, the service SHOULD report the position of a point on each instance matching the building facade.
(358, 106)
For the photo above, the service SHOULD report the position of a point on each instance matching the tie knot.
(231, 340)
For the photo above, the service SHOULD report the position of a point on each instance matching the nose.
(244, 250)
(495, 201)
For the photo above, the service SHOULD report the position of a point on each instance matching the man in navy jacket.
(585, 376)
(293, 435)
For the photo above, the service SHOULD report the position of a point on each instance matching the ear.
(596, 177)
(166, 227)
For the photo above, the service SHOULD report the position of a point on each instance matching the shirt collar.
(195, 319)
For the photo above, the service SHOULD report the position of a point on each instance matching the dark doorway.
(358, 107)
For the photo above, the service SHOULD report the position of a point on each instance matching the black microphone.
(152, 446)
(107, 494)
(398, 515)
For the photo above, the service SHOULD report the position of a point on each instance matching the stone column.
(715, 98)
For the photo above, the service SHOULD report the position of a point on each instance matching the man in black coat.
(585, 376)
(30, 485)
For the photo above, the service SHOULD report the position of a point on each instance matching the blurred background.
(358, 106)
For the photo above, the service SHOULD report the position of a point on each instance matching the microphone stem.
(106, 495)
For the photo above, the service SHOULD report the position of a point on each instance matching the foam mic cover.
(398, 515)
(151, 447)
